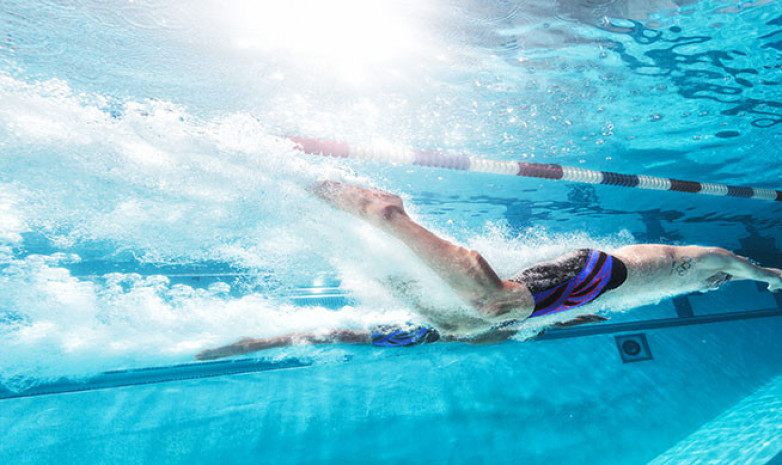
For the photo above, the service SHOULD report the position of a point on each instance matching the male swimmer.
(576, 279)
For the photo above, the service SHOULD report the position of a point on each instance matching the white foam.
(12, 222)
(150, 180)
(162, 186)
(72, 327)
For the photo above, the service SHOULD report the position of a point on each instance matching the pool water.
(151, 207)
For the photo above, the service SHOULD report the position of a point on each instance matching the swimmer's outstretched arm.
(360, 336)
(246, 346)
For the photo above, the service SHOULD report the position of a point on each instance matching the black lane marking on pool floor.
(154, 375)
(658, 324)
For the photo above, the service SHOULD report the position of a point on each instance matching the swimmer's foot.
(372, 205)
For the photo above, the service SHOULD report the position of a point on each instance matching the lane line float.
(437, 159)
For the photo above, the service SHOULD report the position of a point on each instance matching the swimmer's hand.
(213, 354)
(237, 348)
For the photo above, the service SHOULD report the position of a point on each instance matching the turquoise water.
(150, 208)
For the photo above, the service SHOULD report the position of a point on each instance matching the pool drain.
(633, 348)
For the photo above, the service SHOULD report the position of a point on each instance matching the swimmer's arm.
(248, 345)
(579, 320)
(740, 267)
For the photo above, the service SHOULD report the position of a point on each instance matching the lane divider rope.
(436, 159)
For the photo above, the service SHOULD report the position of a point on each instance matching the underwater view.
(451, 231)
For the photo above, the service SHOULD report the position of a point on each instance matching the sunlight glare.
(349, 36)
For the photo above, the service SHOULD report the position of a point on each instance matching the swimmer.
(575, 280)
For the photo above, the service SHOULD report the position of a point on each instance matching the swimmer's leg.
(709, 260)
(466, 271)
(737, 266)
(246, 346)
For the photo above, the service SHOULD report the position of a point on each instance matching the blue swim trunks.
(572, 280)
